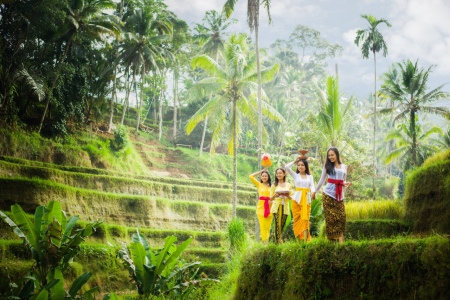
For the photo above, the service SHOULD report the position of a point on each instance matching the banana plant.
(53, 246)
(159, 272)
(316, 217)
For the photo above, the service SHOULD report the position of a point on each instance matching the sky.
(420, 30)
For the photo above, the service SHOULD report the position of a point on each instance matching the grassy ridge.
(127, 185)
(15, 164)
(141, 211)
(369, 229)
(387, 269)
(378, 209)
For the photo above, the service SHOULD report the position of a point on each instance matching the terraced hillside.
(158, 206)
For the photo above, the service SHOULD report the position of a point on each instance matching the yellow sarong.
(301, 213)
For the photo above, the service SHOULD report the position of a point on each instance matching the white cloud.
(421, 29)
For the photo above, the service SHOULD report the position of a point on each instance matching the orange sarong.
(301, 213)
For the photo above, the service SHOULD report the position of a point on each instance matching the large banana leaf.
(78, 284)
(32, 233)
(57, 291)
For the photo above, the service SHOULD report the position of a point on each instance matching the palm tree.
(211, 38)
(253, 24)
(290, 84)
(408, 152)
(84, 19)
(234, 84)
(142, 47)
(372, 40)
(332, 112)
(411, 96)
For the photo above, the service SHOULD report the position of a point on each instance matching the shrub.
(161, 272)
(390, 269)
(52, 246)
(427, 201)
(236, 233)
(120, 140)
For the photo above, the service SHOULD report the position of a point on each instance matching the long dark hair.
(276, 178)
(329, 166)
(269, 181)
(305, 162)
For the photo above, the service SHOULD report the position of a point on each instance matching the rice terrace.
(224, 149)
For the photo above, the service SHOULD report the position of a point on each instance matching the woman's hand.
(313, 196)
(270, 202)
(276, 195)
(347, 184)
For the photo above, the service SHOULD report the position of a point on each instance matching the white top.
(330, 188)
(301, 183)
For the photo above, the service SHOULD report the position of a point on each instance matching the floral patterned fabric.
(335, 217)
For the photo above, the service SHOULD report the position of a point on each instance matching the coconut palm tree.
(332, 111)
(235, 87)
(253, 24)
(211, 38)
(290, 84)
(411, 154)
(410, 96)
(142, 46)
(372, 40)
(84, 19)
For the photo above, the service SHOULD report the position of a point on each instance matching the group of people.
(278, 198)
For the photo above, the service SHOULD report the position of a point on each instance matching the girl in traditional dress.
(333, 195)
(280, 194)
(301, 206)
(263, 208)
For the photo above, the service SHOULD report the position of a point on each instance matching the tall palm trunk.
(234, 159)
(111, 109)
(160, 105)
(175, 87)
(414, 138)
(127, 97)
(50, 93)
(374, 123)
(258, 70)
(142, 99)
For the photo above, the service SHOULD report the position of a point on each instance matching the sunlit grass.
(374, 209)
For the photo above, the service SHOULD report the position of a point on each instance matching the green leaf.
(27, 290)
(138, 255)
(57, 291)
(38, 215)
(88, 295)
(139, 238)
(11, 223)
(78, 283)
(43, 295)
(69, 226)
(23, 220)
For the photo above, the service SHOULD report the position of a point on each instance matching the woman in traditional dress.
(280, 194)
(263, 208)
(301, 206)
(333, 195)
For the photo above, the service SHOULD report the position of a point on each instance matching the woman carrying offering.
(333, 194)
(280, 194)
(263, 208)
(301, 206)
